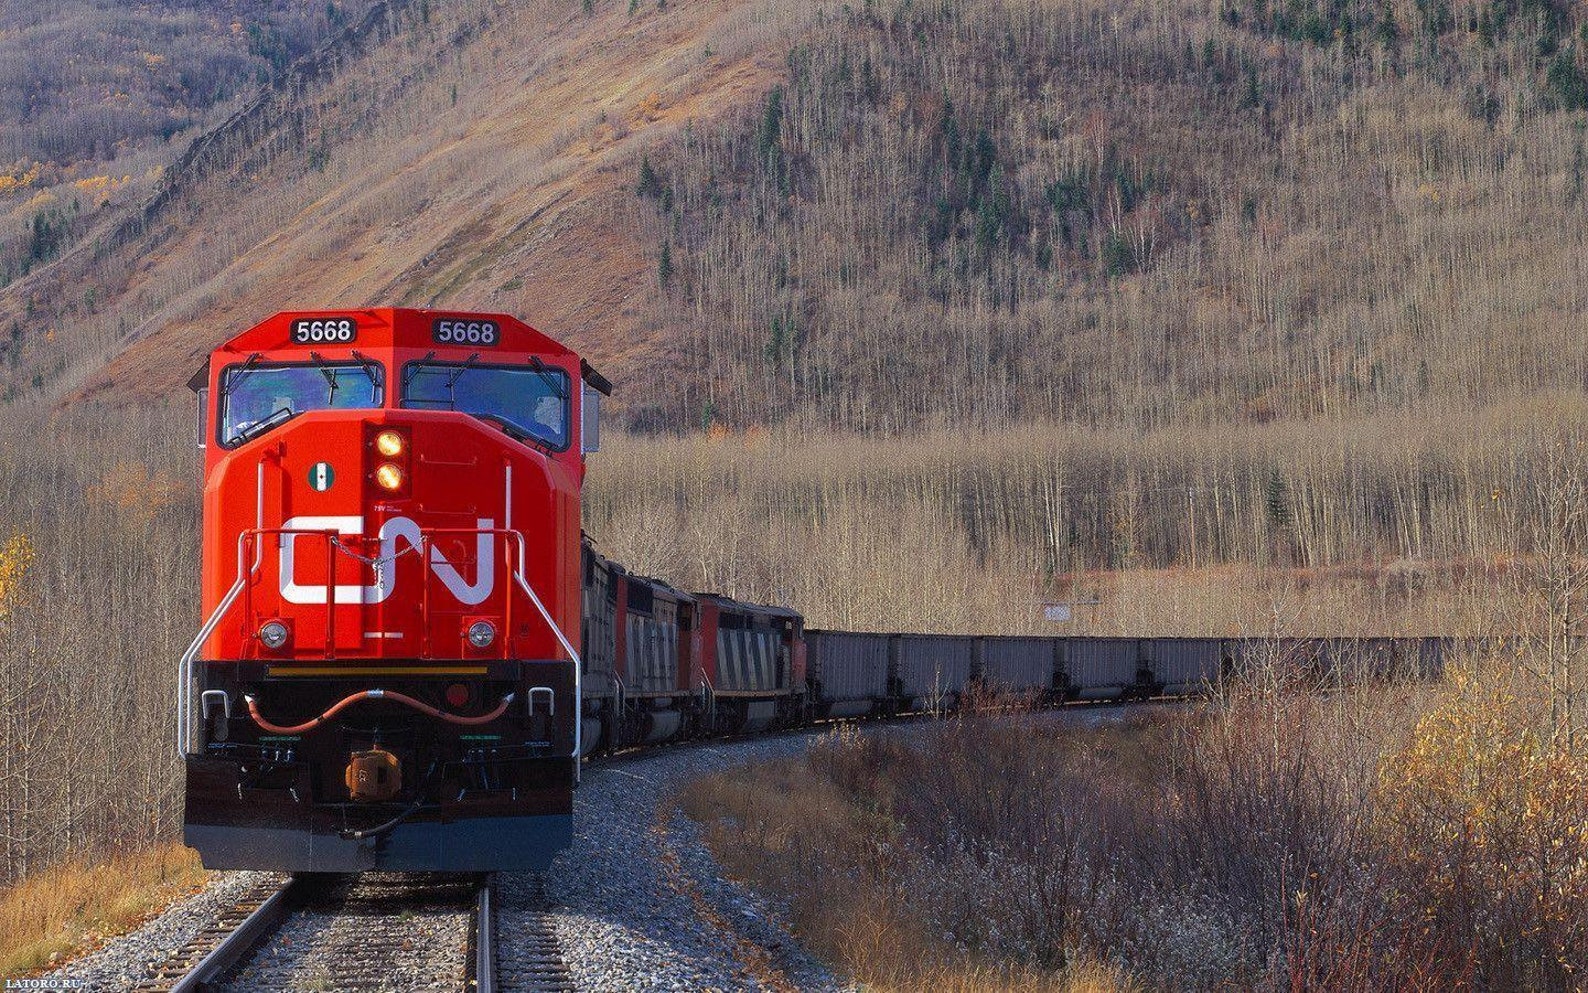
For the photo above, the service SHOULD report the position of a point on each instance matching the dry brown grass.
(814, 843)
(71, 908)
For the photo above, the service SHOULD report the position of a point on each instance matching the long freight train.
(409, 645)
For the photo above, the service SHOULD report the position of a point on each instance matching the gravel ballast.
(638, 902)
(125, 961)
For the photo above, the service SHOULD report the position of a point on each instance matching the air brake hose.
(381, 829)
(345, 702)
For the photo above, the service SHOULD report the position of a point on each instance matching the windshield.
(255, 399)
(530, 403)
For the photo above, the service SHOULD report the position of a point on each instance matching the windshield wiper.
(415, 368)
(517, 433)
(541, 370)
(258, 428)
(328, 372)
(369, 366)
(241, 373)
(462, 367)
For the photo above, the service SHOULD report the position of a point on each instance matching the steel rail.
(484, 965)
(194, 968)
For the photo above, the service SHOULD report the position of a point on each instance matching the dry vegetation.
(465, 153)
(74, 906)
(1400, 839)
(88, 79)
(98, 96)
(98, 574)
(1384, 525)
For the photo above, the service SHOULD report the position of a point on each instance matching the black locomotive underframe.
(490, 796)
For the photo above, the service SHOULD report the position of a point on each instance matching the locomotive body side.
(392, 594)
(751, 667)
(653, 658)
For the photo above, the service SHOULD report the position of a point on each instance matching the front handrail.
(519, 577)
(246, 573)
(573, 655)
(184, 689)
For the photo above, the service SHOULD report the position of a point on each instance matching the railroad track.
(364, 933)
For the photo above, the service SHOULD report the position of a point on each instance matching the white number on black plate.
(324, 331)
(452, 331)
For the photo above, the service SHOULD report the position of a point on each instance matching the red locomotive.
(387, 675)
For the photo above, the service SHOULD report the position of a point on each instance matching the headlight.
(389, 476)
(481, 634)
(389, 444)
(273, 634)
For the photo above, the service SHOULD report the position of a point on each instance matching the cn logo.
(397, 530)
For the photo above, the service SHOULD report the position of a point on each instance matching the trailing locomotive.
(409, 645)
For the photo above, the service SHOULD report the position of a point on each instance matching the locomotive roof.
(728, 602)
(380, 328)
(660, 584)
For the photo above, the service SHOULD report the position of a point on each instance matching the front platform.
(234, 822)
(484, 844)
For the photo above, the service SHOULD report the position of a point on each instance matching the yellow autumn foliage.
(16, 554)
(98, 189)
(19, 178)
(1486, 816)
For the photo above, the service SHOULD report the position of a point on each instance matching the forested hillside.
(1137, 214)
(467, 152)
(96, 96)
(893, 215)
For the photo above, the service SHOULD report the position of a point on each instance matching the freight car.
(409, 645)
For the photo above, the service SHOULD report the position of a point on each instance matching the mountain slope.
(480, 155)
(897, 215)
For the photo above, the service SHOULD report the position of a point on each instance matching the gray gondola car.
(1356, 660)
(1427, 660)
(848, 671)
(1020, 666)
(1183, 666)
(932, 670)
(1102, 668)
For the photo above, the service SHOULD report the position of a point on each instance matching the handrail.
(573, 655)
(519, 577)
(619, 712)
(184, 689)
(708, 695)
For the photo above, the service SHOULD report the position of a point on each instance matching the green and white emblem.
(322, 476)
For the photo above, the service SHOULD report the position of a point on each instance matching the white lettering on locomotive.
(385, 564)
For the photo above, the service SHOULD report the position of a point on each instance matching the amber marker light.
(389, 477)
(389, 444)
